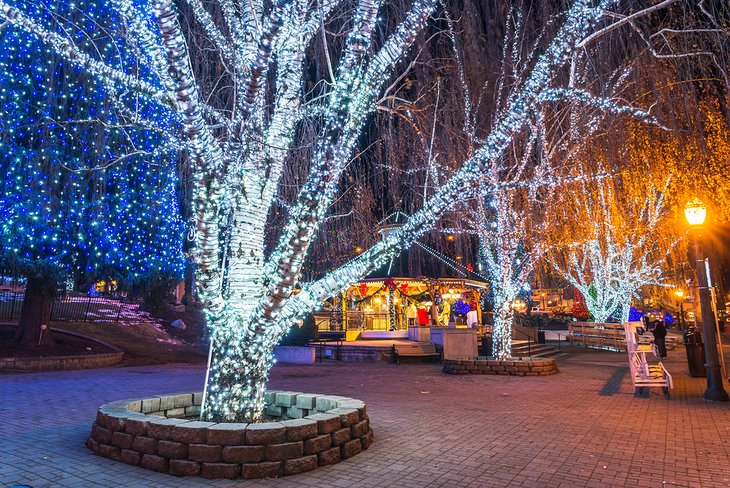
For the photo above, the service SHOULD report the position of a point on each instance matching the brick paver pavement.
(582, 427)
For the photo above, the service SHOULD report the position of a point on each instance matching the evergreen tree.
(85, 193)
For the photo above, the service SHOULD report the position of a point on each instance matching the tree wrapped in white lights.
(503, 234)
(508, 218)
(233, 100)
(623, 225)
(502, 223)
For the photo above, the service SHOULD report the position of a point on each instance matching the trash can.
(695, 354)
(541, 336)
(486, 346)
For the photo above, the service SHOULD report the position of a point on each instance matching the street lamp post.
(680, 295)
(695, 212)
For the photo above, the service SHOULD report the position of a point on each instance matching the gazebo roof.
(398, 265)
(415, 281)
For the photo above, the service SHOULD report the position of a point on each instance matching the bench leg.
(665, 390)
(641, 391)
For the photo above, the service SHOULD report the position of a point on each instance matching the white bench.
(643, 374)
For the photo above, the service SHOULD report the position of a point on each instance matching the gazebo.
(389, 300)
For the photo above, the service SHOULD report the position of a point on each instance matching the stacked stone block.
(59, 363)
(525, 367)
(303, 431)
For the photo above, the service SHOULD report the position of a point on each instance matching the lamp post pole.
(680, 296)
(695, 211)
(715, 390)
(682, 323)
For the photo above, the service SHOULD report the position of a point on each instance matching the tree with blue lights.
(231, 81)
(86, 194)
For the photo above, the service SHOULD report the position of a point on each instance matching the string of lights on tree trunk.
(238, 137)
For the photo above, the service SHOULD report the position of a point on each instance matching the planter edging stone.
(155, 434)
(507, 367)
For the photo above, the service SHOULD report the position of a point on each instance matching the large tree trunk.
(36, 312)
(502, 330)
(239, 370)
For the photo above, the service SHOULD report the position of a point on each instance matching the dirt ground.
(65, 346)
(143, 342)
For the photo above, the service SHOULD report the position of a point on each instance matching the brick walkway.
(582, 427)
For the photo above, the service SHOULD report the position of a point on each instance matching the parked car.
(537, 311)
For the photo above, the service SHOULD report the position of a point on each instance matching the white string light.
(238, 156)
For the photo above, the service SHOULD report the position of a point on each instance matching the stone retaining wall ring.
(59, 363)
(163, 434)
(511, 367)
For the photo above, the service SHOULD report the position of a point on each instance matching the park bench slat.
(597, 335)
(423, 350)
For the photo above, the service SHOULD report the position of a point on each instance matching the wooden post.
(343, 299)
(479, 306)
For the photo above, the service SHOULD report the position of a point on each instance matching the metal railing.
(355, 320)
(529, 340)
(560, 335)
(10, 305)
(80, 308)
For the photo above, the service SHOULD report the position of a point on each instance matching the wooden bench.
(648, 338)
(643, 374)
(597, 335)
(425, 350)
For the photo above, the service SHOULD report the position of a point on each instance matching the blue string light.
(83, 190)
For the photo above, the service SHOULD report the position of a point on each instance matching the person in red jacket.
(423, 318)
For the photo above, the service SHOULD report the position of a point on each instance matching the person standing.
(472, 319)
(423, 317)
(412, 314)
(660, 335)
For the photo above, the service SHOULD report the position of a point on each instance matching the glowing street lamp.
(680, 296)
(695, 211)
